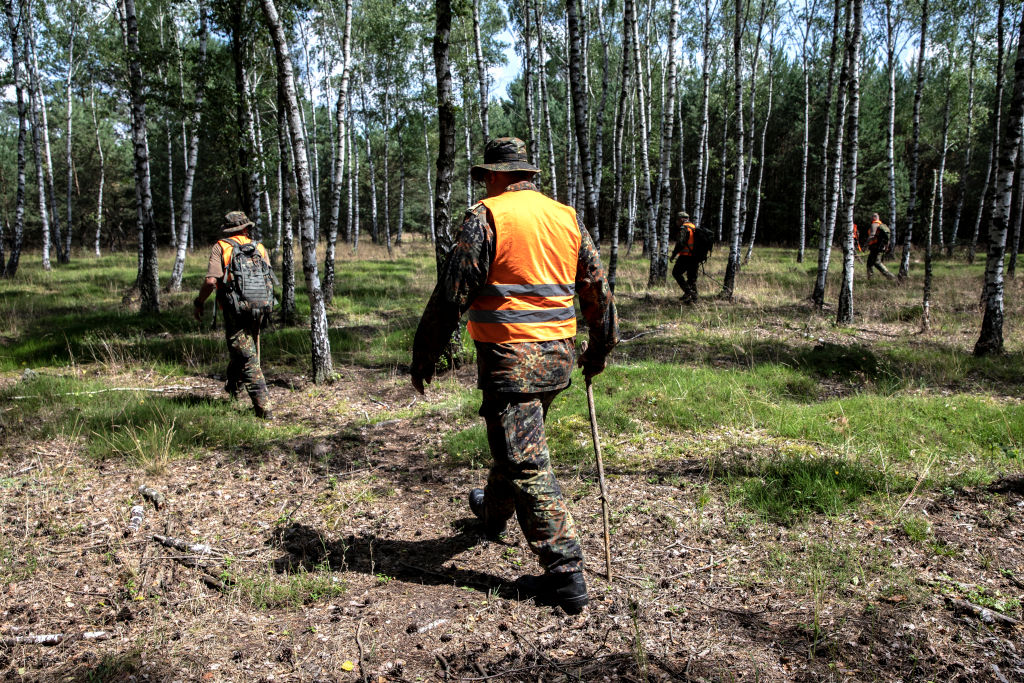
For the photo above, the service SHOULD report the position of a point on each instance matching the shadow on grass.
(415, 561)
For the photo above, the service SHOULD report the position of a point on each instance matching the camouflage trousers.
(685, 273)
(244, 365)
(875, 261)
(521, 481)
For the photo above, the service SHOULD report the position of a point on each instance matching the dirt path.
(350, 555)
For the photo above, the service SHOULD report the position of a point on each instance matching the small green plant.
(916, 528)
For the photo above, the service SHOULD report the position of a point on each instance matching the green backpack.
(248, 283)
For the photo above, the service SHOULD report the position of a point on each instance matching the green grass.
(798, 416)
(273, 590)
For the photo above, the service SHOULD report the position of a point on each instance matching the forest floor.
(791, 500)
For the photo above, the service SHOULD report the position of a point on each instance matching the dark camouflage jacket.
(524, 367)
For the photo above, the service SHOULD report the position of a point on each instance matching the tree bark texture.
(322, 366)
(446, 133)
(10, 268)
(926, 295)
(481, 74)
(729, 282)
(149, 284)
(965, 170)
(341, 138)
(987, 195)
(844, 311)
(579, 109)
(915, 147)
(990, 341)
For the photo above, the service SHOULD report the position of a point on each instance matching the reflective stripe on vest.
(529, 291)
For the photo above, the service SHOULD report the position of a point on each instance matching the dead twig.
(153, 496)
(196, 548)
(54, 638)
(985, 614)
(359, 645)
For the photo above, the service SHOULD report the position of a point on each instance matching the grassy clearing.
(798, 417)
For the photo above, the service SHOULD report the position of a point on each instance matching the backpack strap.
(234, 245)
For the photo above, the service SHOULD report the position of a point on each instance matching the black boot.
(476, 503)
(568, 590)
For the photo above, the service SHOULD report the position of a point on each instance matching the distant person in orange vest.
(691, 251)
(856, 242)
(878, 239)
(235, 259)
(519, 257)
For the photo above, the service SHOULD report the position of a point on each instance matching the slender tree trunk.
(990, 341)
(149, 284)
(618, 159)
(1015, 223)
(761, 157)
(426, 151)
(37, 153)
(51, 193)
(962, 194)
(915, 152)
(987, 196)
(192, 160)
(312, 154)
(650, 236)
(722, 168)
(545, 104)
(892, 29)
(322, 366)
(658, 272)
(844, 311)
(288, 313)
(356, 222)
(10, 269)
(103, 173)
(531, 142)
(729, 282)
(386, 204)
(68, 138)
(834, 158)
(926, 297)
(579, 106)
(811, 11)
(467, 140)
(597, 172)
(339, 156)
(943, 152)
(247, 198)
(481, 74)
(446, 133)
(827, 220)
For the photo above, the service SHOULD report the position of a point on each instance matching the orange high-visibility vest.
(529, 290)
(687, 248)
(873, 236)
(227, 247)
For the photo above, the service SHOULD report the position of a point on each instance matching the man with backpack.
(240, 271)
(878, 239)
(692, 250)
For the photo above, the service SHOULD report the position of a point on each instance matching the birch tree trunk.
(51, 193)
(579, 107)
(192, 160)
(618, 160)
(545, 104)
(729, 282)
(426, 150)
(844, 311)
(68, 138)
(997, 119)
(481, 74)
(239, 47)
(965, 170)
(915, 151)
(1018, 213)
(892, 29)
(658, 272)
(322, 366)
(834, 158)
(446, 133)
(103, 173)
(288, 313)
(37, 153)
(761, 157)
(827, 220)
(149, 284)
(531, 143)
(650, 236)
(722, 167)
(926, 297)
(943, 152)
(340, 151)
(990, 341)
(10, 269)
(810, 11)
(597, 172)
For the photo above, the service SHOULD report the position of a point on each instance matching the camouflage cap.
(503, 154)
(235, 221)
(683, 215)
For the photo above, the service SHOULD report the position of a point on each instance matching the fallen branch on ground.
(153, 496)
(54, 638)
(136, 518)
(985, 614)
(185, 546)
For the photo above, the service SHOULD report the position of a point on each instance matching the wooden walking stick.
(600, 474)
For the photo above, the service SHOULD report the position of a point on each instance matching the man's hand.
(197, 310)
(591, 366)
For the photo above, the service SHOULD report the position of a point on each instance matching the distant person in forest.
(879, 235)
(691, 251)
(519, 257)
(239, 270)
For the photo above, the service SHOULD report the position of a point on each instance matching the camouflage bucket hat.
(235, 221)
(682, 214)
(503, 154)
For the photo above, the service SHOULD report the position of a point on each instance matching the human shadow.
(422, 562)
